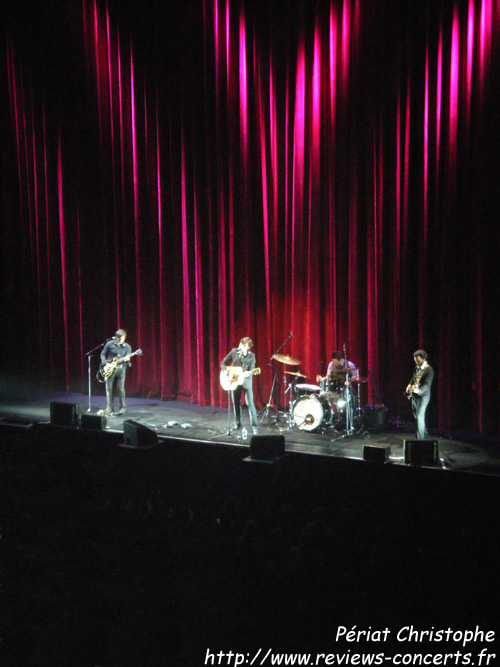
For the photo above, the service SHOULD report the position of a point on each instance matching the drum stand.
(355, 416)
(349, 417)
(349, 421)
(349, 413)
(289, 415)
(264, 413)
(359, 414)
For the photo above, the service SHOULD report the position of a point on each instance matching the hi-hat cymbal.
(285, 359)
(299, 375)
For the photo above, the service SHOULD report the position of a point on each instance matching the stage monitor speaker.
(421, 452)
(267, 447)
(93, 422)
(376, 453)
(137, 435)
(64, 414)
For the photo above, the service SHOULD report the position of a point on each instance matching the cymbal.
(285, 359)
(299, 375)
(356, 379)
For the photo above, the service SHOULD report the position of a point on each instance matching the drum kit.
(331, 406)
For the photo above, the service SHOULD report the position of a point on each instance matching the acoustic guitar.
(234, 376)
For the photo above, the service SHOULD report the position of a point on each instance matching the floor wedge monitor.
(138, 435)
(64, 414)
(421, 452)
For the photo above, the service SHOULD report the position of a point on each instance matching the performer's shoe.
(109, 413)
(121, 411)
(238, 425)
(255, 430)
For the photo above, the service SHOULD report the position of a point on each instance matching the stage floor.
(182, 420)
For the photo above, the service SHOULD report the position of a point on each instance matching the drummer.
(335, 378)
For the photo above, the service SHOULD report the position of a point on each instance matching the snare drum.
(331, 387)
(311, 411)
(306, 389)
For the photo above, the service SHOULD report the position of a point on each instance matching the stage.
(467, 452)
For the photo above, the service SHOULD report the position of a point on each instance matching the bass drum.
(310, 412)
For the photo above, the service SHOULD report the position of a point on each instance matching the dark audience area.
(116, 556)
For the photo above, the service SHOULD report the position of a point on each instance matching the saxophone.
(414, 383)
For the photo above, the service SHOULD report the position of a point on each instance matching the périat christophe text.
(410, 634)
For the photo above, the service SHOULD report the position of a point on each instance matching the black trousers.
(248, 389)
(116, 383)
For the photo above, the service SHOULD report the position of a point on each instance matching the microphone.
(290, 334)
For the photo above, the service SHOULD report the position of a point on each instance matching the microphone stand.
(264, 413)
(89, 372)
(229, 431)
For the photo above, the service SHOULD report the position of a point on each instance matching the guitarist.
(116, 348)
(242, 356)
(419, 391)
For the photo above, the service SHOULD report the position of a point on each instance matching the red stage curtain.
(197, 172)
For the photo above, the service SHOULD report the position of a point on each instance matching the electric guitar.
(110, 366)
(233, 376)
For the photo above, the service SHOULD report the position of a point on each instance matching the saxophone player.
(419, 391)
